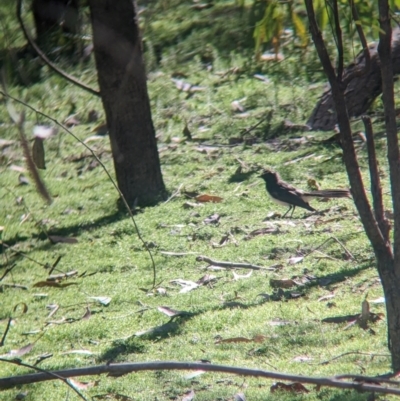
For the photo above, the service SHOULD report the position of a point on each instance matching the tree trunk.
(123, 87)
(391, 284)
(360, 92)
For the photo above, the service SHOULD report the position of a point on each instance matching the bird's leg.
(287, 211)
(294, 207)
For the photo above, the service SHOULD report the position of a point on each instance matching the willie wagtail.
(287, 195)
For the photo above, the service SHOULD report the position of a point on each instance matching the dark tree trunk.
(361, 90)
(54, 15)
(391, 284)
(123, 87)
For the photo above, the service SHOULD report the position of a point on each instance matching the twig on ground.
(352, 353)
(177, 253)
(3, 339)
(125, 368)
(175, 194)
(102, 166)
(7, 271)
(232, 265)
(348, 253)
(53, 375)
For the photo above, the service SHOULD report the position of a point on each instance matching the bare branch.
(376, 188)
(339, 40)
(232, 265)
(393, 153)
(53, 375)
(125, 368)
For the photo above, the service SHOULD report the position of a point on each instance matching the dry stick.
(52, 374)
(352, 353)
(68, 77)
(124, 368)
(103, 167)
(176, 193)
(232, 265)
(376, 188)
(339, 40)
(349, 254)
(26, 256)
(3, 339)
(7, 271)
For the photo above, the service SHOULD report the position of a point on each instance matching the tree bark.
(362, 88)
(123, 87)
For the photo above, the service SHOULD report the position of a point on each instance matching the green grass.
(111, 261)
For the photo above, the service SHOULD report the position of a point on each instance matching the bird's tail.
(329, 193)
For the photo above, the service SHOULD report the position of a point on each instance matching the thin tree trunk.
(123, 87)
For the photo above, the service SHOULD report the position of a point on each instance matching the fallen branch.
(125, 368)
(53, 375)
(232, 265)
(352, 353)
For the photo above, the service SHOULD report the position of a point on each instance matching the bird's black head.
(269, 176)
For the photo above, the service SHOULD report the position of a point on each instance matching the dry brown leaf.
(282, 283)
(15, 353)
(52, 284)
(38, 153)
(208, 198)
(87, 314)
(169, 311)
(233, 340)
(65, 240)
(295, 387)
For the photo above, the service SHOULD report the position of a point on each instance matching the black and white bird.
(287, 195)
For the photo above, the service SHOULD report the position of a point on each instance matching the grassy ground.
(112, 262)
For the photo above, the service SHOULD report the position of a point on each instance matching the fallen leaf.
(103, 300)
(82, 385)
(15, 353)
(295, 259)
(78, 352)
(208, 278)
(262, 231)
(282, 283)
(186, 284)
(172, 312)
(213, 219)
(237, 277)
(53, 284)
(233, 340)
(65, 240)
(38, 155)
(295, 387)
(326, 297)
(87, 314)
(208, 198)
